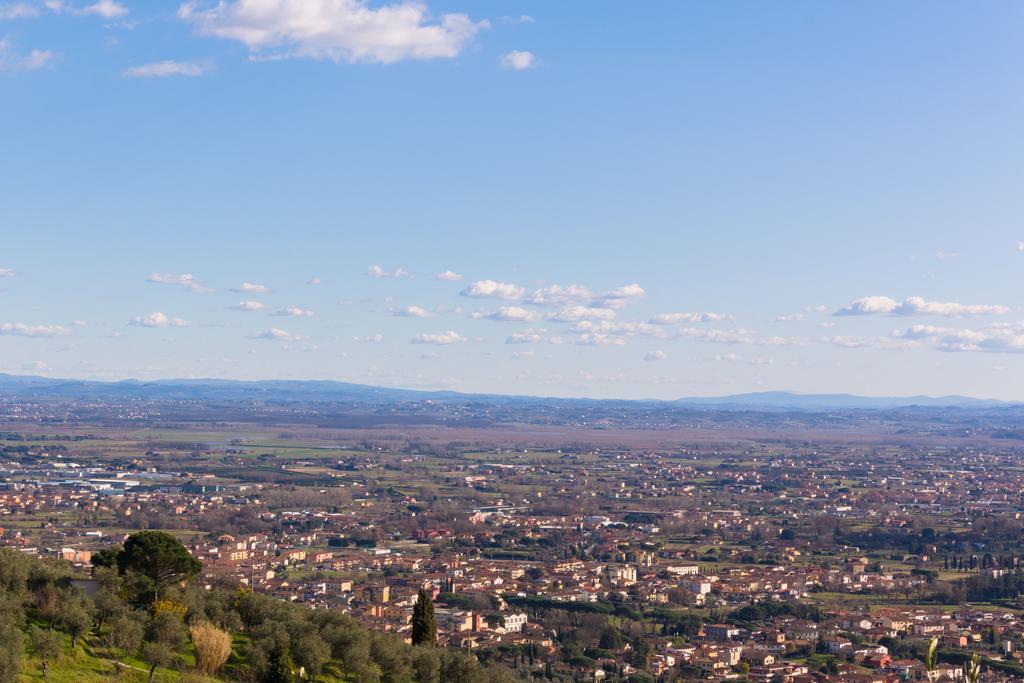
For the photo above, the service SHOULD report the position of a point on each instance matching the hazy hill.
(310, 391)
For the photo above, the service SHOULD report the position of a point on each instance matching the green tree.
(76, 620)
(47, 645)
(156, 655)
(11, 641)
(426, 665)
(281, 667)
(424, 624)
(611, 639)
(159, 557)
(459, 667)
(105, 558)
(311, 653)
(167, 629)
(124, 636)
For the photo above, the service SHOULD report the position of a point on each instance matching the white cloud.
(185, 280)
(633, 291)
(444, 338)
(412, 312)
(622, 328)
(18, 10)
(994, 338)
(250, 288)
(377, 271)
(7, 272)
(448, 276)
(108, 9)
(249, 306)
(294, 312)
(557, 295)
(851, 342)
(524, 337)
(579, 295)
(23, 330)
(577, 313)
(738, 336)
(490, 289)
(166, 68)
(13, 62)
(313, 281)
(915, 305)
(276, 334)
(518, 60)
(1020, 246)
(338, 30)
(523, 355)
(655, 355)
(725, 358)
(157, 319)
(817, 309)
(598, 340)
(509, 314)
(700, 317)
(791, 318)
(369, 339)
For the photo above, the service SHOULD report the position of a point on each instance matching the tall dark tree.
(159, 557)
(280, 668)
(424, 624)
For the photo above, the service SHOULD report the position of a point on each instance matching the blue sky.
(657, 200)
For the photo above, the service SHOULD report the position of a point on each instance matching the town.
(788, 558)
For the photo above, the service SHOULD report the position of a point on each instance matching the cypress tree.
(424, 625)
(280, 667)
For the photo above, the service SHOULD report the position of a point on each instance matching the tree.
(426, 665)
(46, 644)
(76, 621)
(107, 599)
(280, 668)
(641, 652)
(611, 639)
(11, 642)
(424, 624)
(48, 601)
(212, 646)
(159, 557)
(391, 657)
(123, 636)
(459, 667)
(105, 558)
(311, 653)
(166, 628)
(156, 655)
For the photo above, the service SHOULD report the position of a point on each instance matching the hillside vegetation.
(141, 617)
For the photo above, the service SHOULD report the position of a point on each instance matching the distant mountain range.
(318, 391)
(786, 399)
